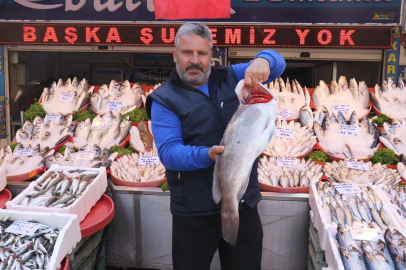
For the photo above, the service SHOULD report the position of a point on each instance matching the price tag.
(368, 234)
(52, 117)
(89, 155)
(347, 188)
(115, 106)
(344, 109)
(349, 131)
(359, 165)
(97, 122)
(23, 227)
(287, 162)
(284, 114)
(285, 133)
(66, 97)
(149, 161)
(24, 151)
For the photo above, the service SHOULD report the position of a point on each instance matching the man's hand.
(258, 71)
(215, 150)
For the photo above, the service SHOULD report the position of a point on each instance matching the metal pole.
(22, 118)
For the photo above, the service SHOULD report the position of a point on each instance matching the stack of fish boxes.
(317, 258)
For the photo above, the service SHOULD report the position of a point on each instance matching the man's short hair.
(196, 28)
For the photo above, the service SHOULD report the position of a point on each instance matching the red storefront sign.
(164, 35)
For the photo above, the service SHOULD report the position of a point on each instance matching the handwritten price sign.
(97, 122)
(287, 162)
(149, 161)
(358, 165)
(285, 133)
(285, 114)
(347, 188)
(24, 152)
(52, 117)
(368, 234)
(66, 97)
(344, 109)
(88, 155)
(115, 106)
(23, 227)
(349, 131)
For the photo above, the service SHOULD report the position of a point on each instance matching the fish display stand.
(5, 196)
(69, 234)
(27, 176)
(317, 258)
(81, 207)
(83, 256)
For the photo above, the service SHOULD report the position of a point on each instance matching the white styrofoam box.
(3, 178)
(332, 253)
(318, 218)
(69, 234)
(82, 204)
(386, 200)
(320, 222)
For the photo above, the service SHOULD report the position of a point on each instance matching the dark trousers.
(196, 239)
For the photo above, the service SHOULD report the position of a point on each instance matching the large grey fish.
(247, 135)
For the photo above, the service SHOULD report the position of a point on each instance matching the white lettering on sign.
(287, 162)
(23, 227)
(368, 234)
(85, 155)
(285, 133)
(358, 165)
(24, 151)
(347, 188)
(52, 117)
(115, 106)
(149, 161)
(66, 97)
(349, 131)
(344, 109)
(284, 114)
(97, 122)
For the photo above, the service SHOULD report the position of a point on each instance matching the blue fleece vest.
(204, 120)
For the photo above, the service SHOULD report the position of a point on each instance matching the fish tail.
(229, 222)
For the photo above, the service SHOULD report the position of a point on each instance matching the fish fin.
(229, 224)
(243, 187)
(216, 183)
(268, 123)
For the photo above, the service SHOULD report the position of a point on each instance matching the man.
(189, 114)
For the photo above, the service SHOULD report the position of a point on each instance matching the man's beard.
(184, 77)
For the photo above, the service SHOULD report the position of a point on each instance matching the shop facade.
(39, 54)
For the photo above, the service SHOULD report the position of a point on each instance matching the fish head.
(247, 96)
(342, 81)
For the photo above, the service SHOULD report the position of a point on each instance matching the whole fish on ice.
(246, 136)
(130, 97)
(354, 96)
(66, 97)
(290, 96)
(390, 99)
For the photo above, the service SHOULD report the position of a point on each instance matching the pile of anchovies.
(23, 252)
(388, 253)
(59, 189)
